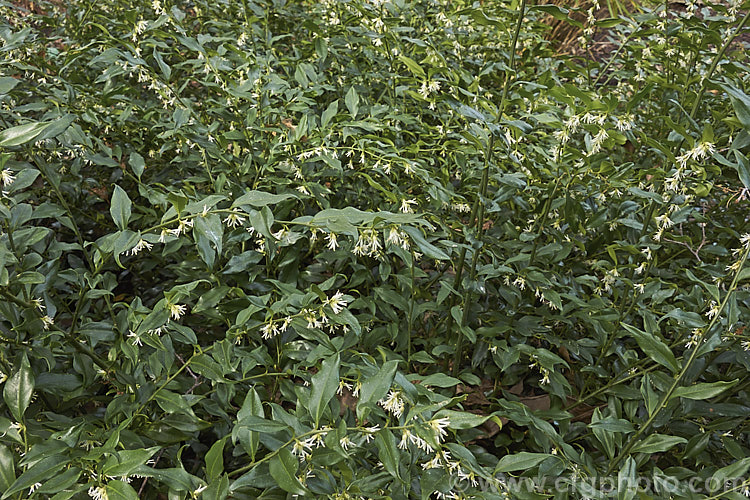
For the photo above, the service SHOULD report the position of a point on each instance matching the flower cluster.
(393, 403)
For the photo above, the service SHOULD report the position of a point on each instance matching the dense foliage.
(373, 249)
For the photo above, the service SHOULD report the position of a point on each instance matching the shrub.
(372, 249)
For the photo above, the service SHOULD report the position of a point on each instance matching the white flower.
(269, 330)
(337, 303)
(7, 177)
(140, 246)
(47, 321)
(393, 403)
(397, 237)
(713, 311)
(302, 449)
(438, 426)
(405, 438)
(98, 493)
(234, 219)
(346, 443)
(701, 150)
(406, 205)
(625, 123)
(596, 143)
(177, 310)
(136, 338)
(332, 240)
(421, 443)
(370, 432)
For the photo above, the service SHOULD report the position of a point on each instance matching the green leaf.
(24, 179)
(657, 443)
(427, 248)
(124, 462)
(413, 66)
(7, 468)
(19, 388)
(736, 470)
(120, 208)
(610, 424)
(352, 101)
(37, 473)
(740, 103)
(283, 468)
(374, 388)
(439, 380)
(173, 403)
(324, 384)
(210, 228)
(217, 490)
(261, 199)
(703, 391)
(176, 478)
(7, 83)
(743, 168)
(388, 452)
(553, 10)
(462, 419)
(56, 127)
(215, 459)
(329, 113)
(521, 461)
(260, 424)
(120, 490)
(137, 163)
(21, 134)
(654, 348)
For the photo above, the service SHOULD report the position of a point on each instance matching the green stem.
(678, 379)
(477, 209)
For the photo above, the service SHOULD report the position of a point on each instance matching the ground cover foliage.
(373, 249)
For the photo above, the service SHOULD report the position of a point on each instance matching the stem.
(693, 356)
(477, 211)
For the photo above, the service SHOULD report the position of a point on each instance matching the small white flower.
(140, 246)
(438, 426)
(337, 303)
(47, 321)
(406, 205)
(7, 177)
(332, 240)
(370, 432)
(393, 403)
(98, 493)
(176, 310)
(269, 330)
(346, 443)
(234, 219)
(136, 338)
(405, 438)
(713, 310)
